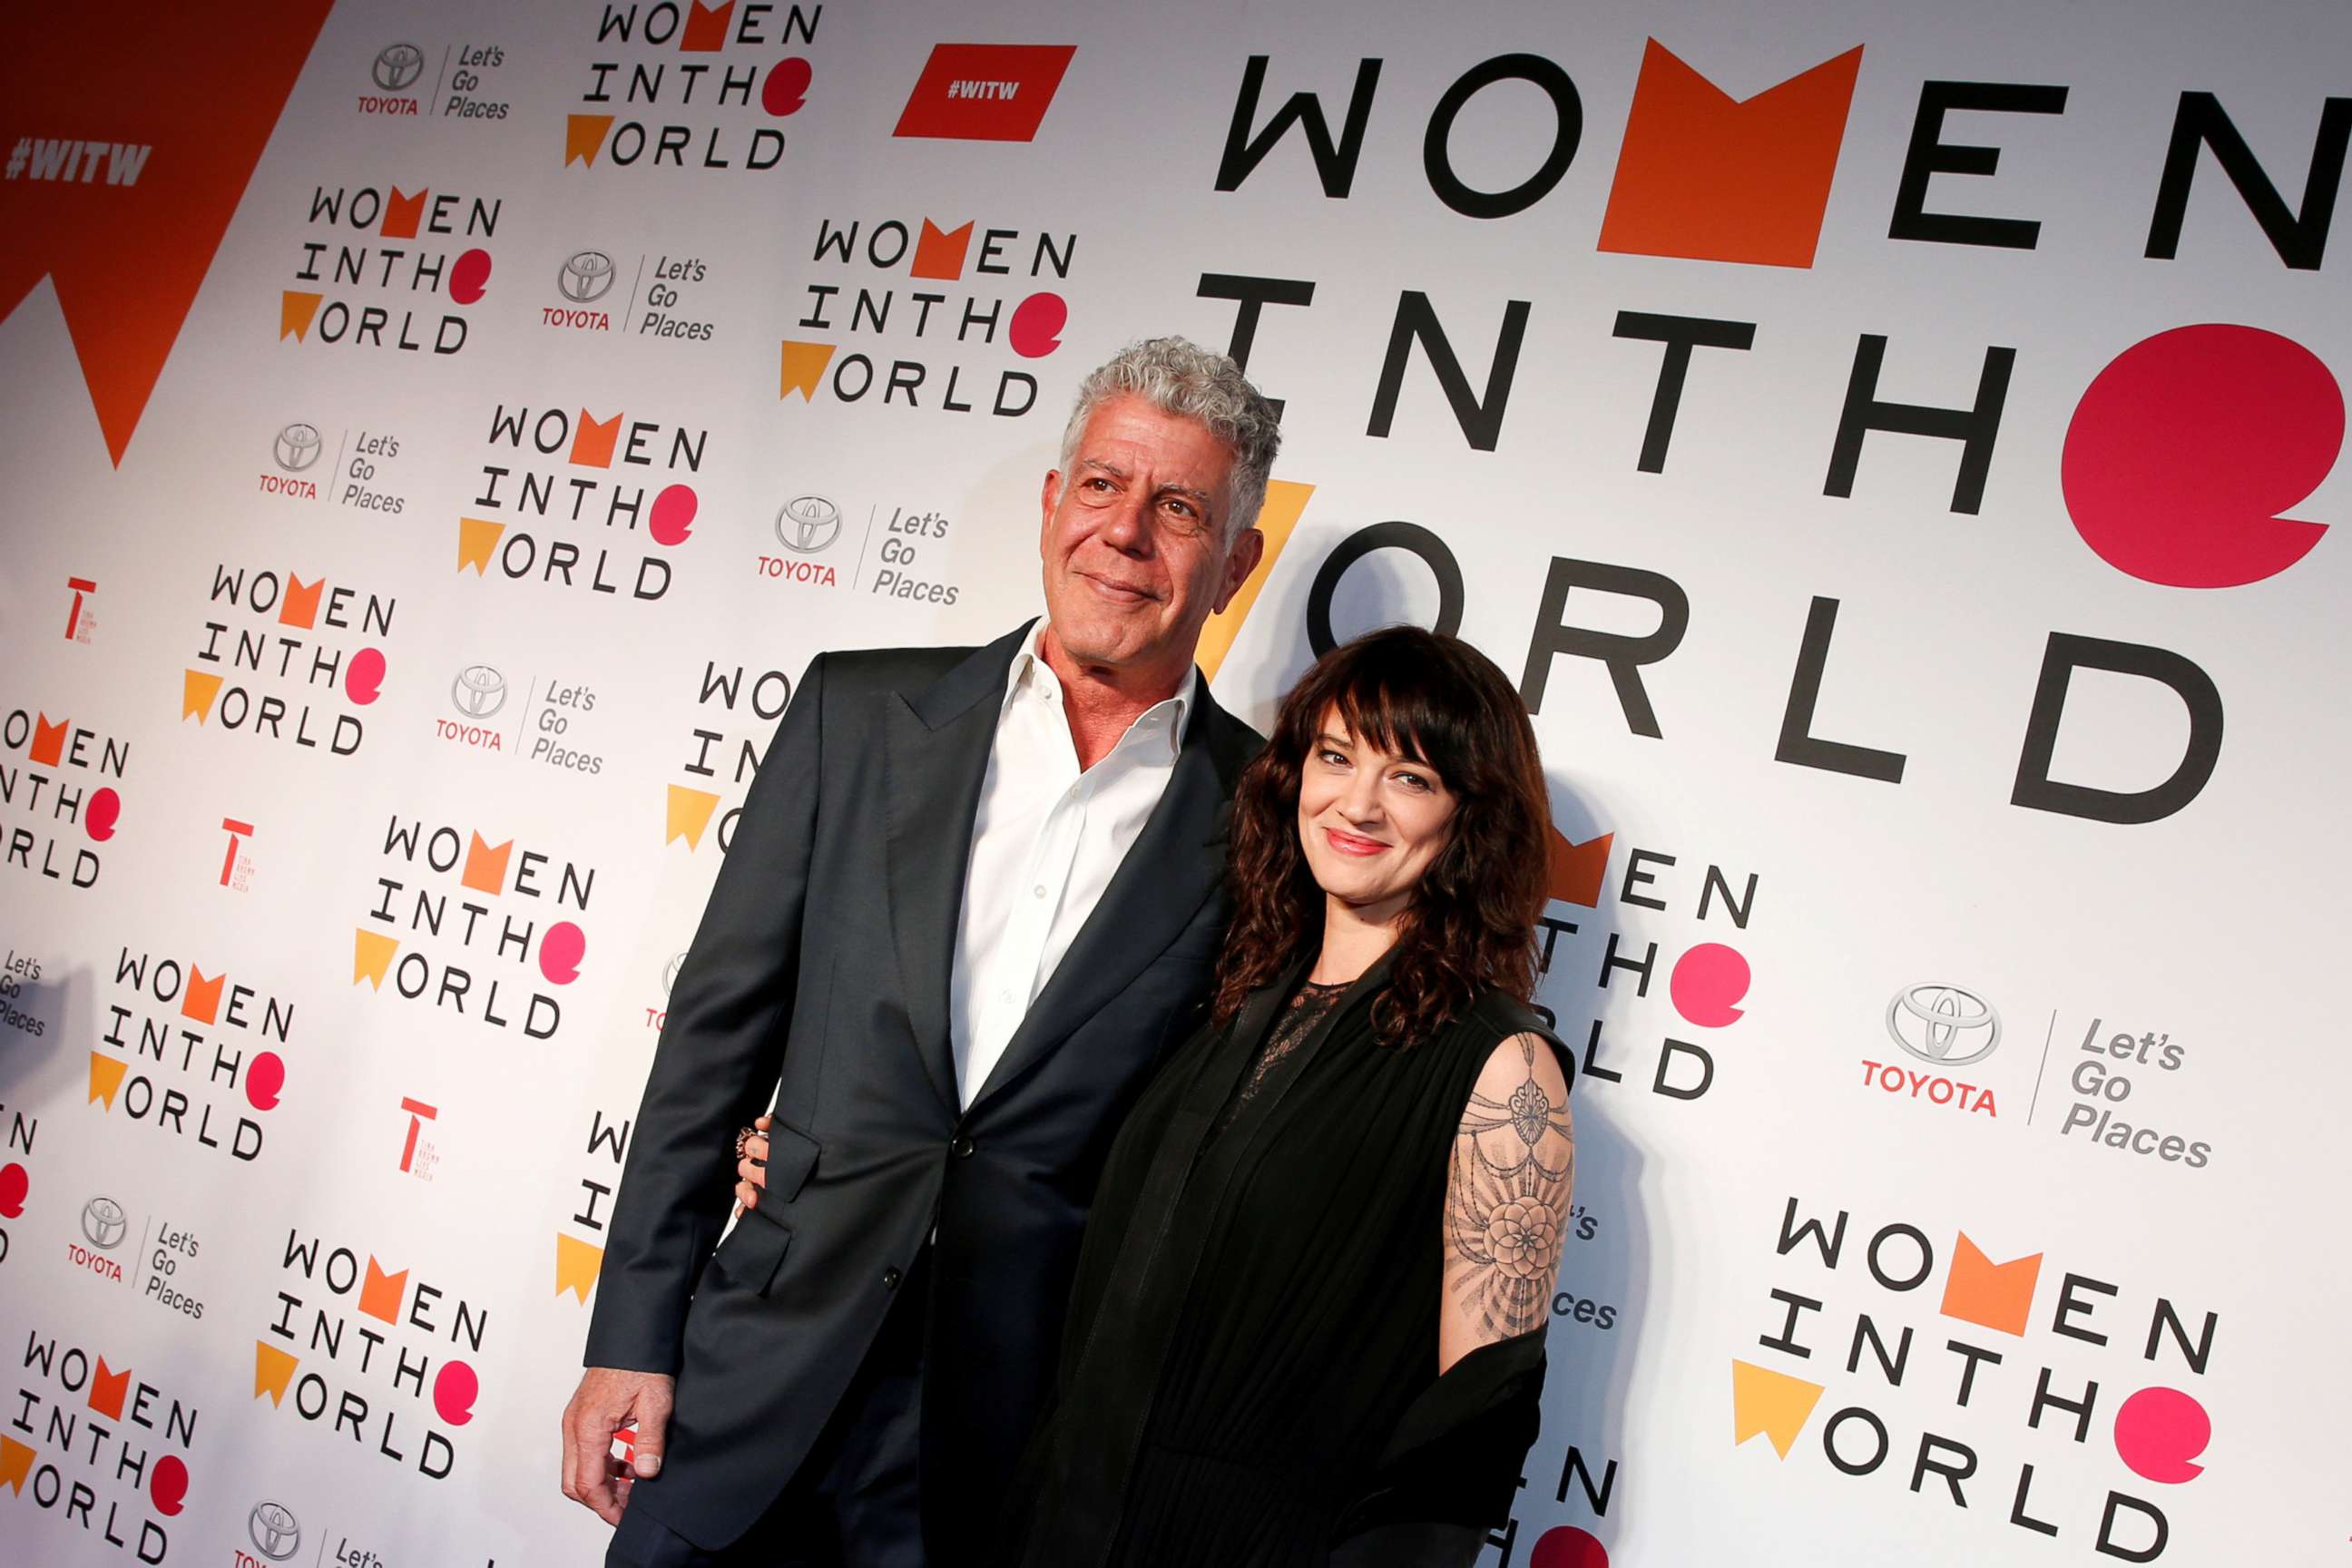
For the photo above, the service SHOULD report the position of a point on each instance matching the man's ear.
(1240, 562)
(1049, 495)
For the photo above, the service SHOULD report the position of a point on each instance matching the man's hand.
(606, 1401)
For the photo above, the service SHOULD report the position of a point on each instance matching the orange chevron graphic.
(1578, 869)
(486, 866)
(1713, 178)
(371, 956)
(201, 1001)
(1285, 502)
(803, 368)
(48, 741)
(1771, 1402)
(106, 1078)
(297, 308)
(591, 440)
(689, 813)
(576, 1263)
(16, 1465)
(583, 138)
(379, 1293)
(939, 252)
(196, 694)
(299, 607)
(705, 27)
(107, 1389)
(477, 540)
(402, 214)
(1988, 1294)
(127, 247)
(273, 1369)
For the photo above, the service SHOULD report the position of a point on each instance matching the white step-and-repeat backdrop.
(1894, 446)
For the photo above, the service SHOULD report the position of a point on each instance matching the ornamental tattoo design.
(1507, 1204)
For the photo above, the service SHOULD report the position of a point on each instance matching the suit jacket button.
(891, 1277)
(962, 1148)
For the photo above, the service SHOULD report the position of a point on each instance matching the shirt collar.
(1032, 676)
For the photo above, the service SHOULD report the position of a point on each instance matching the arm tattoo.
(1507, 1206)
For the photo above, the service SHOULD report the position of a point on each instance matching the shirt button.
(962, 1148)
(1038, 891)
(891, 1277)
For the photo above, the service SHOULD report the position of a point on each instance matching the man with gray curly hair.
(1181, 378)
(975, 895)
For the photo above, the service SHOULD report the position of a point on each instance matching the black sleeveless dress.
(1249, 1370)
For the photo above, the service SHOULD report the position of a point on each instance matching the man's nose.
(1126, 524)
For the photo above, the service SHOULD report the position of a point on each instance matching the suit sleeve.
(721, 1051)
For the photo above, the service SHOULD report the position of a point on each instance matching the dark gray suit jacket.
(819, 979)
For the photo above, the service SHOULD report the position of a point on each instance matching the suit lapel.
(938, 742)
(1175, 864)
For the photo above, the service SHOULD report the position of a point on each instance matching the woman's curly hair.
(1438, 701)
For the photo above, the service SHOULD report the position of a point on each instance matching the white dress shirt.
(1044, 844)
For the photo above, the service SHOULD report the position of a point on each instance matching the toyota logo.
(808, 524)
(669, 971)
(397, 66)
(1943, 1023)
(274, 1530)
(587, 277)
(104, 1223)
(479, 691)
(296, 447)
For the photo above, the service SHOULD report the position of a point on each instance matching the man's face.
(1133, 539)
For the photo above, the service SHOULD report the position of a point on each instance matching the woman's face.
(1369, 822)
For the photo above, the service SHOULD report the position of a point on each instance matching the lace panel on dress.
(1313, 1002)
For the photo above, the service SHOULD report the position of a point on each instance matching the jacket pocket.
(791, 1155)
(752, 1252)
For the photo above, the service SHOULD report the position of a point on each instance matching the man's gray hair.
(1181, 378)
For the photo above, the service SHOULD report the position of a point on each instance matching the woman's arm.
(1507, 1200)
(1507, 1197)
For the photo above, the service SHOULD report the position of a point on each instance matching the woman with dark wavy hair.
(1308, 1321)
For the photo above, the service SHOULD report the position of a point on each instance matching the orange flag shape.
(1707, 176)
(297, 308)
(1990, 1295)
(196, 694)
(107, 1389)
(105, 1078)
(16, 1465)
(1577, 869)
(48, 746)
(803, 368)
(372, 955)
(1771, 1402)
(939, 252)
(583, 138)
(380, 1292)
(202, 999)
(299, 607)
(477, 539)
(127, 248)
(273, 1369)
(576, 1263)
(689, 813)
(1285, 502)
